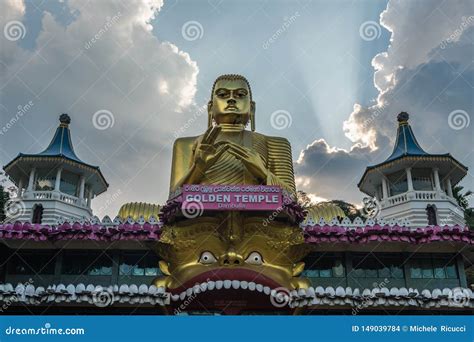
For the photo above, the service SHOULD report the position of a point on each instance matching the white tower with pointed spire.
(54, 184)
(413, 184)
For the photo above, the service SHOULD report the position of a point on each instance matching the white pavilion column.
(89, 197)
(20, 187)
(57, 183)
(449, 187)
(32, 179)
(82, 183)
(384, 188)
(436, 179)
(409, 179)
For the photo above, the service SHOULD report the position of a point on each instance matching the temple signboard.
(233, 197)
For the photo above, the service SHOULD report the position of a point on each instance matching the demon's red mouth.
(225, 278)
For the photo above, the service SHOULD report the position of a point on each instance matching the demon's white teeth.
(227, 284)
(189, 291)
(203, 287)
(244, 285)
(266, 290)
(302, 293)
(175, 297)
(252, 286)
(235, 284)
(197, 289)
(259, 287)
(182, 295)
(219, 284)
(211, 285)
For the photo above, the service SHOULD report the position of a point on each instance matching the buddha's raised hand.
(207, 153)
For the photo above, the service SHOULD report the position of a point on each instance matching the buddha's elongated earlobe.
(252, 116)
(209, 114)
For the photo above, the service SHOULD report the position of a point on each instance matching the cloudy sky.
(334, 74)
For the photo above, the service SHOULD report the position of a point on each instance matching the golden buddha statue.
(227, 153)
(231, 246)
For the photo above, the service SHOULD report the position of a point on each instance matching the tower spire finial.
(403, 118)
(64, 119)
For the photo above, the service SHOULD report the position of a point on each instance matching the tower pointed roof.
(61, 144)
(406, 143)
(59, 151)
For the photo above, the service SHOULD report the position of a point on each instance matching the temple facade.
(410, 257)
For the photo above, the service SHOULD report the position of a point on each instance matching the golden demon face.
(233, 253)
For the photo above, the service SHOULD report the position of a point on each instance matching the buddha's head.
(231, 100)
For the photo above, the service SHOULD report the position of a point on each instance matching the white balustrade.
(49, 195)
(412, 195)
(40, 195)
(426, 195)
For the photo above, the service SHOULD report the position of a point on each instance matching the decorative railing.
(52, 195)
(69, 199)
(415, 195)
(42, 195)
(397, 199)
(150, 230)
(426, 195)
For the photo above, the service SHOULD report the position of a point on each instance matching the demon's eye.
(207, 258)
(255, 258)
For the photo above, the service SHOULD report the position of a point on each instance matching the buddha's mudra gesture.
(227, 153)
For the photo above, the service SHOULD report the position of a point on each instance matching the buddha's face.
(231, 103)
